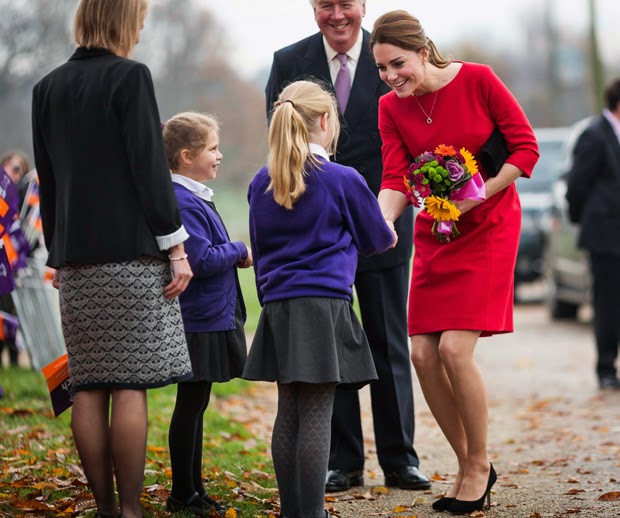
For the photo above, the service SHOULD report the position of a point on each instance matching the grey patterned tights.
(300, 447)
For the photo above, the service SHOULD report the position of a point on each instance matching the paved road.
(554, 438)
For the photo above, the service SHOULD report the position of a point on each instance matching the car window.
(547, 169)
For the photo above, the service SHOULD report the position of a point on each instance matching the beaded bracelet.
(180, 258)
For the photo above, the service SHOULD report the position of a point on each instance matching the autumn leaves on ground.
(40, 474)
(554, 440)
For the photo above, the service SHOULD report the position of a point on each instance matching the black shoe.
(609, 382)
(409, 477)
(469, 506)
(341, 480)
(194, 505)
(443, 503)
(220, 507)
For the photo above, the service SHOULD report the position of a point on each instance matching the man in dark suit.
(381, 282)
(593, 192)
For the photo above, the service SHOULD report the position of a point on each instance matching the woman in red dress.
(461, 289)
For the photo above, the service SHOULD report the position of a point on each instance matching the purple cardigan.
(311, 250)
(208, 303)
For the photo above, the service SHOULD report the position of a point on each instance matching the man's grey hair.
(313, 2)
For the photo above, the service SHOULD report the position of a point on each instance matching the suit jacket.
(593, 188)
(105, 186)
(359, 145)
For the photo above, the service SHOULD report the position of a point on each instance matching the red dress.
(467, 283)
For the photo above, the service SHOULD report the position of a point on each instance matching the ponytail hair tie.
(289, 101)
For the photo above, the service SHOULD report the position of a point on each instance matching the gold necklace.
(428, 115)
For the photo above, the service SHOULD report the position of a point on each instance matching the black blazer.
(593, 188)
(105, 185)
(359, 145)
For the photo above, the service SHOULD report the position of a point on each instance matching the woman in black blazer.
(114, 233)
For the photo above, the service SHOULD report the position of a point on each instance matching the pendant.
(428, 120)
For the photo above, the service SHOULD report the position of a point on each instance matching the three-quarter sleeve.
(511, 120)
(144, 146)
(396, 157)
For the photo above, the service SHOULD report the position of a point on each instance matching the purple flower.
(455, 170)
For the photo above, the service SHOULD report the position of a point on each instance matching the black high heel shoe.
(469, 506)
(443, 503)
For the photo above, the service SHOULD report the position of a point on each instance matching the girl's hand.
(391, 225)
(56, 279)
(248, 261)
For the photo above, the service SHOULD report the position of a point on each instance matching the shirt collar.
(613, 120)
(317, 149)
(199, 189)
(353, 53)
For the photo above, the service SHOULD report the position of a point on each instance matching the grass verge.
(40, 472)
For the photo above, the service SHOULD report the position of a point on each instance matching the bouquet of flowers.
(439, 178)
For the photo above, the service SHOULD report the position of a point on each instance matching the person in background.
(464, 288)
(113, 231)
(593, 184)
(339, 56)
(16, 165)
(212, 306)
(309, 218)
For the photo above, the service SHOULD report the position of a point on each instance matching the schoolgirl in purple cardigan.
(212, 305)
(309, 218)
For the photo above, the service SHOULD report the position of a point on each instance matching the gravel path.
(554, 437)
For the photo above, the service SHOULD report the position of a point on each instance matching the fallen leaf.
(614, 496)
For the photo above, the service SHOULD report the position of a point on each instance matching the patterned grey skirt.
(119, 330)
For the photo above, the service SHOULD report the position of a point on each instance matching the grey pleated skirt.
(310, 340)
(120, 331)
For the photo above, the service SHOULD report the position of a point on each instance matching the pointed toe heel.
(469, 506)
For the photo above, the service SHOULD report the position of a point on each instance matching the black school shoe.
(220, 507)
(409, 477)
(341, 480)
(195, 505)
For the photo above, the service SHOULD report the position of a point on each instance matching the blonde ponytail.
(294, 120)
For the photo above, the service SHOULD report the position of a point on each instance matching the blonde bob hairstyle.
(190, 131)
(403, 30)
(295, 120)
(110, 24)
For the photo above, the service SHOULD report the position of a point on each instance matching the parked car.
(567, 267)
(536, 201)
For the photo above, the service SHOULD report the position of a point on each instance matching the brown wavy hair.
(403, 30)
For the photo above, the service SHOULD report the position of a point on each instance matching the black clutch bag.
(494, 153)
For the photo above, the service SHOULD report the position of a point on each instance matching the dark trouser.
(606, 287)
(383, 303)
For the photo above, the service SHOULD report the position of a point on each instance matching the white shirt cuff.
(176, 238)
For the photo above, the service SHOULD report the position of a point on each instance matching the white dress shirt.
(353, 57)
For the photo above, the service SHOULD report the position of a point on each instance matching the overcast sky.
(256, 28)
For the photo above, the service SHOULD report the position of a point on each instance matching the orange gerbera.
(444, 150)
(470, 161)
